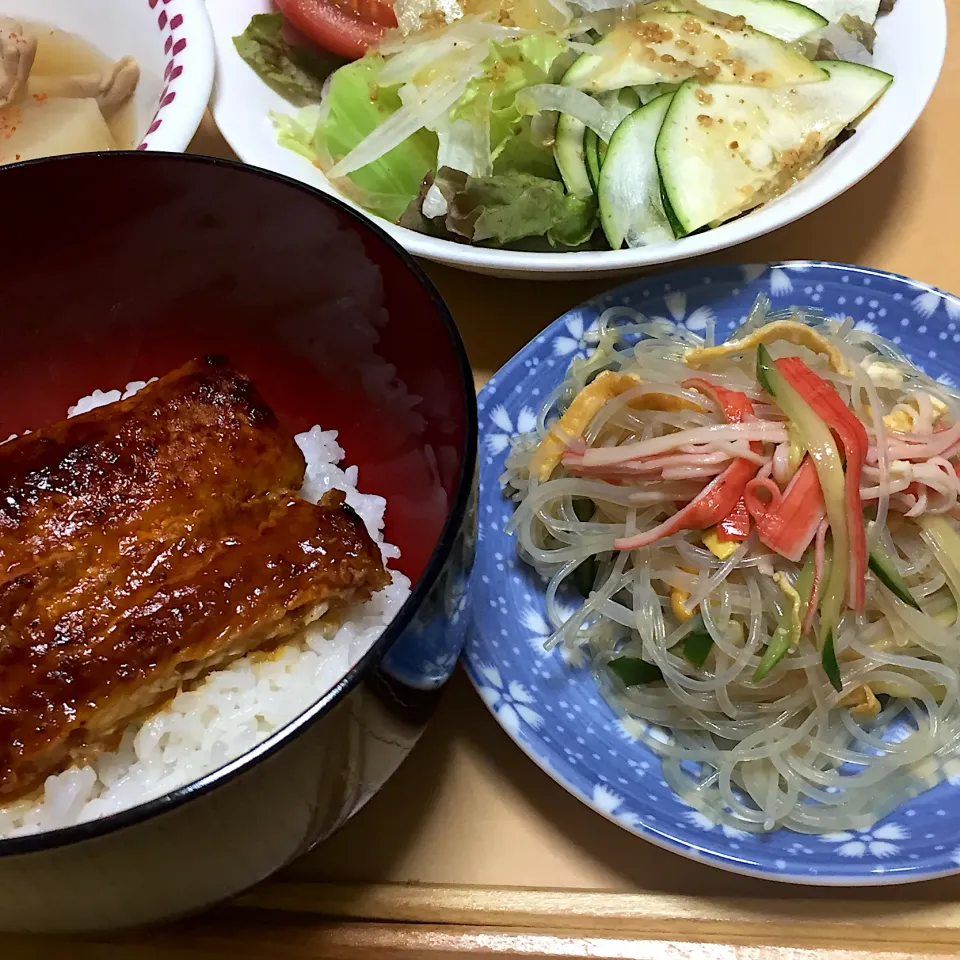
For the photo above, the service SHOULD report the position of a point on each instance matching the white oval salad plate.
(910, 45)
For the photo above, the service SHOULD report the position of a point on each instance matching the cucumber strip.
(569, 155)
(697, 644)
(724, 149)
(667, 44)
(882, 564)
(828, 660)
(585, 576)
(782, 637)
(631, 208)
(819, 443)
(783, 19)
(632, 671)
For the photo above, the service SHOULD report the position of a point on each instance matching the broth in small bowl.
(85, 76)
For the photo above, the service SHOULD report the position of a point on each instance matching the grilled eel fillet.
(146, 543)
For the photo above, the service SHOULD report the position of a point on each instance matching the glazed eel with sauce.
(145, 543)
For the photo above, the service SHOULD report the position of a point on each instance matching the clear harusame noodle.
(763, 538)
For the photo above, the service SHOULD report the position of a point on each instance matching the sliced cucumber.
(646, 94)
(881, 563)
(631, 208)
(726, 149)
(783, 19)
(675, 224)
(697, 644)
(669, 45)
(568, 152)
(634, 672)
(621, 102)
(833, 10)
(592, 146)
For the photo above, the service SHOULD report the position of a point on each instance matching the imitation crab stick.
(586, 405)
(825, 402)
(819, 443)
(713, 504)
(787, 522)
(736, 407)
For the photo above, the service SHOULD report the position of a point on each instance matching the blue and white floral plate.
(554, 712)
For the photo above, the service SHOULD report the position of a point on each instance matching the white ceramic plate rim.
(911, 42)
(182, 117)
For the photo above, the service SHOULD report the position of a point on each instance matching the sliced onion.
(421, 108)
(594, 6)
(469, 30)
(411, 60)
(579, 105)
(413, 14)
(563, 9)
(543, 129)
(465, 145)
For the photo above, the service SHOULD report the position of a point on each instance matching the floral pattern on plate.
(552, 708)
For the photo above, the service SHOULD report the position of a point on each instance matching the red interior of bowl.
(123, 266)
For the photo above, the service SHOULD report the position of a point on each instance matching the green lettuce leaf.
(864, 33)
(504, 208)
(297, 73)
(511, 66)
(577, 224)
(355, 106)
(523, 153)
(296, 132)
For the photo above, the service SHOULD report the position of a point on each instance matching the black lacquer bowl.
(119, 267)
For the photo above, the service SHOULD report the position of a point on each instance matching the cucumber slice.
(568, 152)
(675, 224)
(725, 149)
(881, 563)
(833, 10)
(697, 644)
(592, 146)
(783, 19)
(669, 45)
(620, 102)
(631, 208)
(634, 672)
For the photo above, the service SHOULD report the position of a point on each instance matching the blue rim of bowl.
(678, 280)
(100, 827)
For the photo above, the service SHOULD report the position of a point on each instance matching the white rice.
(232, 709)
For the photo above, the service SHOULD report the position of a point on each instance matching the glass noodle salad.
(568, 123)
(765, 540)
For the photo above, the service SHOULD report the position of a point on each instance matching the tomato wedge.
(344, 27)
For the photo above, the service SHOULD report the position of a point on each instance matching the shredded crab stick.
(736, 407)
(714, 462)
(826, 403)
(907, 446)
(787, 522)
(820, 570)
(585, 406)
(713, 504)
(820, 445)
(762, 430)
